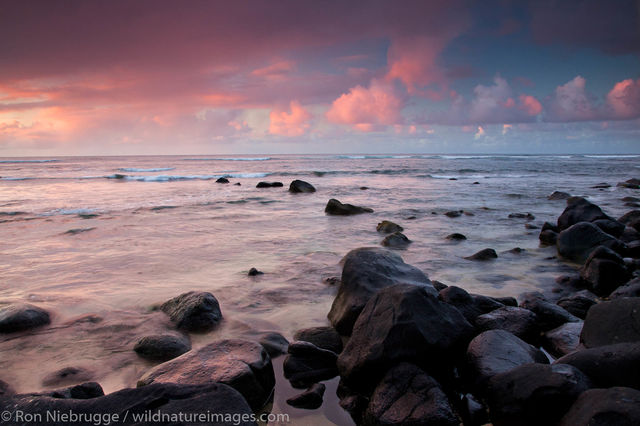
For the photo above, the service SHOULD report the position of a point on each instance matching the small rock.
(307, 364)
(559, 195)
(453, 213)
(20, 317)
(253, 272)
(548, 237)
(193, 311)
(526, 216)
(88, 390)
(162, 347)
(601, 185)
(549, 315)
(274, 343)
(564, 339)
(67, 376)
(531, 226)
(5, 389)
(335, 207)
(300, 186)
(269, 185)
(615, 406)
(309, 399)
(455, 237)
(323, 337)
(222, 180)
(396, 240)
(579, 303)
(482, 255)
(388, 227)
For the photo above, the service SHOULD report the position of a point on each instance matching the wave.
(175, 178)
(69, 212)
(372, 157)
(26, 161)
(613, 156)
(17, 178)
(133, 169)
(230, 159)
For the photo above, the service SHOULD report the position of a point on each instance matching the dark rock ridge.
(309, 399)
(395, 315)
(20, 317)
(534, 394)
(193, 311)
(269, 185)
(162, 347)
(300, 186)
(388, 227)
(365, 271)
(335, 207)
(408, 396)
(168, 399)
(243, 365)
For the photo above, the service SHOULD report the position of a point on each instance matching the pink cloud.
(293, 123)
(364, 108)
(530, 104)
(624, 99)
(275, 71)
(571, 102)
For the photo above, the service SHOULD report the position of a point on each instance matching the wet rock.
(167, 399)
(193, 311)
(531, 226)
(453, 213)
(507, 300)
(5, 389)
(579, 210)
(222, 180)
(518, 321)
(253, 272)
(607, 366)
(469, 306)
(162, 347)
(307, 364)
(616, 321)
(300, 186)
(20, 317)
(578, 304)
(396, 240)
(439, 286)
(631, 219)
(526, 216)
(408, 396)
(269, 185)
(86, 390)
(605, 271)
(548, 226)
(309, 399)
(559, 195)
(631, 289)
(498, 351)
(388, 227)
(67, 376)
(549, 315)
(548, 237)
(243, 365)
(335, 207)
(630, 234)
(332, 281)
(402, 323)
(274, 343)
(534, 394)
(610, 226)
(564, 339)
(455, 237)
(472, 411)
(482, 255)
(578, 241)
(365, 271)
(605, 407)
(601, 185)
(631, 199)
(323, 337)
(516, 250)
(630, 183)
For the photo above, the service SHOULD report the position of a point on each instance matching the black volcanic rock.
(193, 311)
(300, 186)
(20, 317)
(335, 207)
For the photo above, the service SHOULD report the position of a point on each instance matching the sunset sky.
(298, 76)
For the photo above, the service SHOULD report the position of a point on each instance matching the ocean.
(109, 237)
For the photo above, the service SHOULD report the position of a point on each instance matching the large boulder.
(307, 364)
(578, 241)
(135, 406)
(366, 271)
(408, 396)
(605, 271)
(605, 407)
(607, 366)
(322, 337)
(534, 394)
(335, 207)
(519, 321)
(616, 321)
(162, 347)
(193, 311)
(20, 317)
(402, 323)
(498, 351)
(579, 210)
(243, 365)
(298, 186)
(549, 315)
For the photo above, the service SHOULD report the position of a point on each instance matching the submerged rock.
(253, 272)
(222, 180)
(453, 213)
(402, 323)
(162, 347)
(309, 399)
(20, 317)
(300, 186)
(559, 195)
(484, 254)
(365, 271)
(408, 396)
(193, 311)
(615, 406)
(534, 394)
(243, 365)
(396, 240)
(388, 227)
(67, 376)
(335, 207)
(269, 185)
(456, 237)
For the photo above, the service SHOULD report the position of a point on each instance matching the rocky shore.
(407, 350)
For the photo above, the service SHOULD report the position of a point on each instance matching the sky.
(310, 76)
